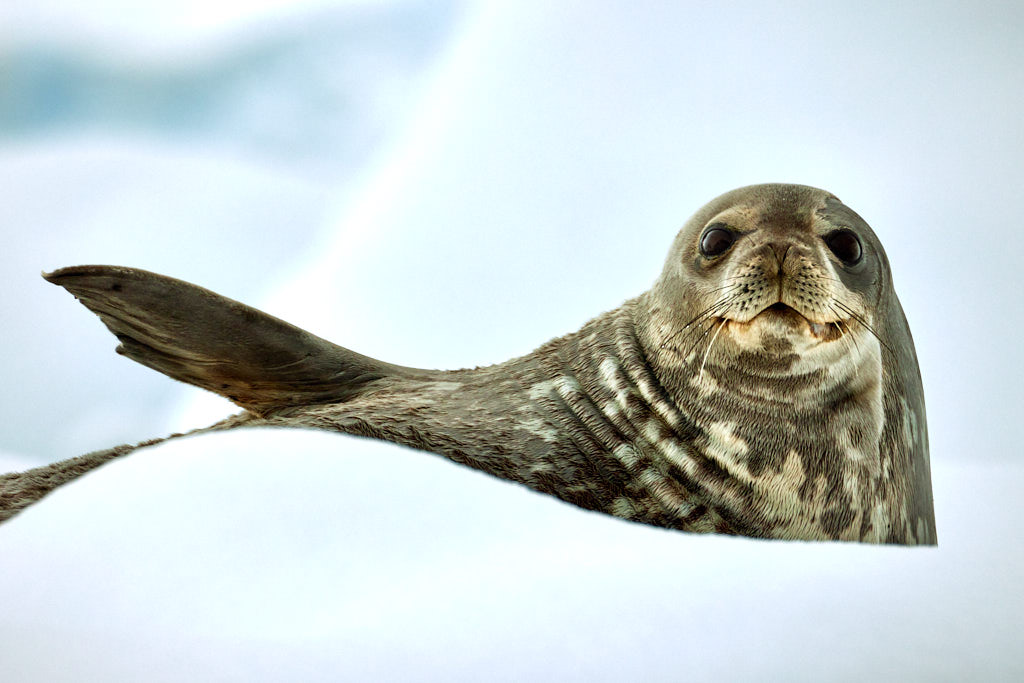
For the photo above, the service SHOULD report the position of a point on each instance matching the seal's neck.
(603, 389)
(801, 448)
(778, 380)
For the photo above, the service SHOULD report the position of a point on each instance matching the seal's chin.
(783, 321)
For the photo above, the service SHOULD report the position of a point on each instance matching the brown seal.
(766, 385)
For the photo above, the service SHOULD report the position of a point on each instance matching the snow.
(303, 556)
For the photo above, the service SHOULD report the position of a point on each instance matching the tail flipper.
(194, 335)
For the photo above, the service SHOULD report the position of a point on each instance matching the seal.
(765, 386)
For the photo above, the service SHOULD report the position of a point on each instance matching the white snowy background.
(450, 184)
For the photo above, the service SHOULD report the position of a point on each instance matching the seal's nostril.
(780, 251)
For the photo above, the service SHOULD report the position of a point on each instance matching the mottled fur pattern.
(771, 391)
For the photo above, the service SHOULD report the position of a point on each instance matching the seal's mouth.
(789, 320)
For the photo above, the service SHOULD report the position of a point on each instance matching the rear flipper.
(196, 336)
(18, 490)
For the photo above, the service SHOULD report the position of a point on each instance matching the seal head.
(775, 325)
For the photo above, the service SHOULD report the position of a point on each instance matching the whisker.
(710, 344)
(723, 301)
(710, 311)
(698, 340)
(848, 339)
(699, 336)
(850, 312)
(847, 331)
(824, 276)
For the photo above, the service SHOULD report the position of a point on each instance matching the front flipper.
(197, 336)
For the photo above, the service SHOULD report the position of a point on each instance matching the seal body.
(765, 386)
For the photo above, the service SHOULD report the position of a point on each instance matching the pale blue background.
(451, 184)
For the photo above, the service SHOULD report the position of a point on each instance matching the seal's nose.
(780, 249)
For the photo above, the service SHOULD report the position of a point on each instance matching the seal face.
(766, 385)
(770, 326)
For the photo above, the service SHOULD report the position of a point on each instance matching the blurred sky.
(449, 184)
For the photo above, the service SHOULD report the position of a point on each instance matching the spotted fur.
(771, 391)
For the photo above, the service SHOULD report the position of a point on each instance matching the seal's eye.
(845, 245)
(716, 240)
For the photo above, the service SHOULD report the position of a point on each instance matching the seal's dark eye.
(716, 240)
(845, 245)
